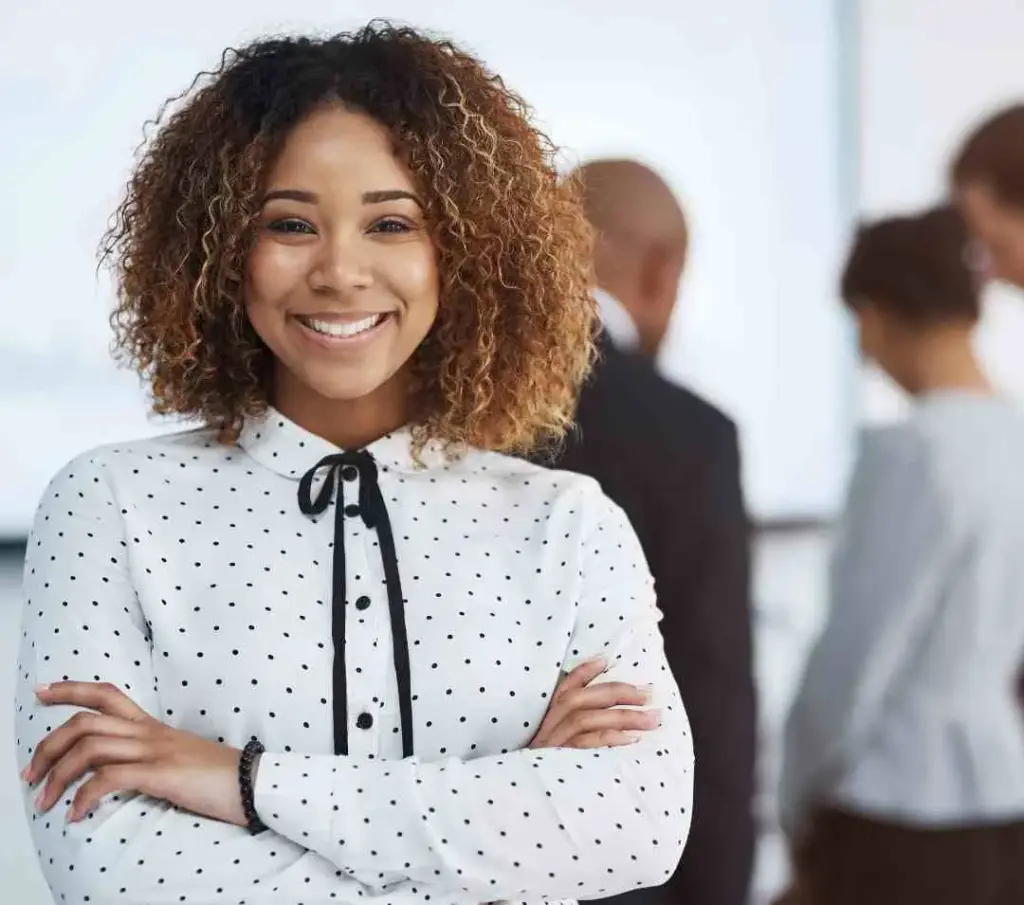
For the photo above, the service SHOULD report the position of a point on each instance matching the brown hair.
(994, 155)
(914, 267)
(501, 367)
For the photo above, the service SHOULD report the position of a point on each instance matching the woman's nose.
(341, 266)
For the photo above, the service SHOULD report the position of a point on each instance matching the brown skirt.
(853, 860)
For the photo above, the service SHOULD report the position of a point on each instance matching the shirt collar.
(290, 450)
(617, 322)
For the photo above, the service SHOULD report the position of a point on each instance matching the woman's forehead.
(335, 146)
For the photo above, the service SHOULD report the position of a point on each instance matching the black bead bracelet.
(252, 750)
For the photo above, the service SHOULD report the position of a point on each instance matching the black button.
(364, 721)
(362, 602)
(352, 509)
(350, 473)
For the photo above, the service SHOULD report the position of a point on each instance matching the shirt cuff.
(360, 814)
(293, 796)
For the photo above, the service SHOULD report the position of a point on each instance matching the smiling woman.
(337, 642)
(343, 282)
(279, 187)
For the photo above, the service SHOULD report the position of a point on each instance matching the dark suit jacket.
(671, 461)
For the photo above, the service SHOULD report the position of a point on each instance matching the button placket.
(366, 656)
(365, 534)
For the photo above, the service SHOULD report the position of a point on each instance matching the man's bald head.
(641, 240)
(626, 196)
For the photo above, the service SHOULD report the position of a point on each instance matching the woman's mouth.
(333, 332)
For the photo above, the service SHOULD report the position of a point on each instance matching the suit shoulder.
(632, 376)
(699, 410)
(638, 374)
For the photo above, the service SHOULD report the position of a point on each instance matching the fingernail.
(655, 716)
(26, 772)
(42, 688)
(633, 739)
(647, 691)
(39, 799)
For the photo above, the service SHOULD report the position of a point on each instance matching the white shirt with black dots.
(186, 573)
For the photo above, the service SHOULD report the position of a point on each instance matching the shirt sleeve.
(885, 580)
(82, 621)
(559, 823)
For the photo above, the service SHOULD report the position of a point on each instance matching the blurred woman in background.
(903, 779)
(988, 181)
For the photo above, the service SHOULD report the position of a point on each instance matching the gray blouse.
(908, 707)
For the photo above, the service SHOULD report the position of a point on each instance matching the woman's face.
(342, 282)
(886, 342)
(872, 331)
(999, 230)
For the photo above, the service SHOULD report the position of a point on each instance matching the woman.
(903, 779)
(988, 183)
(352, 259)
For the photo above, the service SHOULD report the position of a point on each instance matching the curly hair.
(501, 367)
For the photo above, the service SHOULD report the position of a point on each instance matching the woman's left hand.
(127, 750)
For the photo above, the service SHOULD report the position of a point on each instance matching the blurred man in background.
(671, 461)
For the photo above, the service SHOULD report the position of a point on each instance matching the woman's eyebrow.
(389, 195)
(375, 197)
(291, 195)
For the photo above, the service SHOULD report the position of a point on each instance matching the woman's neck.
(347, 423)
(945, 361)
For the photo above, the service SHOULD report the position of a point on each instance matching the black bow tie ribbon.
(350, 466)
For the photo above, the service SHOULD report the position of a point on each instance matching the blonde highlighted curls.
(512, 343)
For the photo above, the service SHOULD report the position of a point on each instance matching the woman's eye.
(291, 227)
(390, 225)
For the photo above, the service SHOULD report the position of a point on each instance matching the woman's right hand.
(585, 715)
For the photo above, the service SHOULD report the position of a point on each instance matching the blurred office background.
(777, 123)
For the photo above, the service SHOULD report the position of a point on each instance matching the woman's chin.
(338, 391)
(348, 385)
(310, 382)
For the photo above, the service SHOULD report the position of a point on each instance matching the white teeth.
(344, 328)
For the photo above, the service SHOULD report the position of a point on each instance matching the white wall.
(929, 69)
(734, 101)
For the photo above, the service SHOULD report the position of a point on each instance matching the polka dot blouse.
(392, 630)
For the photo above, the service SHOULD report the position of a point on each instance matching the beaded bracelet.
(254, 748)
